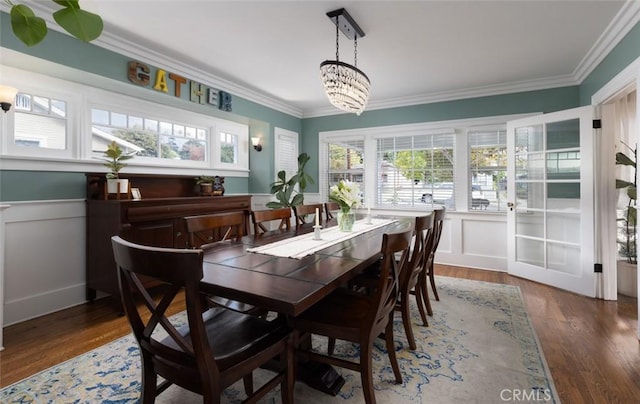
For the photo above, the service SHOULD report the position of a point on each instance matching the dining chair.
(438, 224)
(214, 348)
(214, 230)
(330, 208)
(260, 217)
(302, 212)
(410, 277)
(360, 318)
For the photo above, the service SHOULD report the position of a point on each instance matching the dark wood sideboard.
(156, 219)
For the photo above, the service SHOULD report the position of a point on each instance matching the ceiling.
(413, 51)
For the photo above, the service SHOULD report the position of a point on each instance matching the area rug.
(479, 347)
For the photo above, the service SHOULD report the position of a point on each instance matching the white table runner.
(301, 246)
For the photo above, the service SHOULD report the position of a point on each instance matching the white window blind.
(416, 170)
(286, 152)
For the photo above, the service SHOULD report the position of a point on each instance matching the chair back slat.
(206, 230)
(302, 212)
(260, 217)
(422, 240)
(386, 293)
(330, 208)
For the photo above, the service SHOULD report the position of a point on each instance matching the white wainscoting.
(44, 249)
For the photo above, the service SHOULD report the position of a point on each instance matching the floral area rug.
(479, 347)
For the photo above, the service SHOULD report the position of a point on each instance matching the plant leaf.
(28, 28)
(297, 200)
(623, 184)
(623, 159)
(632, 192)
(81, 24)
(275, 205)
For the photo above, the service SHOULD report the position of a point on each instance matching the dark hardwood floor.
(591, 345)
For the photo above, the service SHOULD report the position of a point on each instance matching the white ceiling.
(413, 51)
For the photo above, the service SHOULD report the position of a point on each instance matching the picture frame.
(135, 193)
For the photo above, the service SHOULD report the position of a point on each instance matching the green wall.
(262, 120)
(68, 51)
(623, 54)
(516, 103)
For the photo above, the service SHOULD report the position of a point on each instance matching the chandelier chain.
(337, 41)
(355, 51)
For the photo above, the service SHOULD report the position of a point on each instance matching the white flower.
(346, 194)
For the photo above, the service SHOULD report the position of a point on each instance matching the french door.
(550, 220)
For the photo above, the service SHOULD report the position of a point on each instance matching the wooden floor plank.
(590, 345)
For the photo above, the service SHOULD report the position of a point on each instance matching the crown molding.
(113, 42)
(627, 17)
(620, 25)
(473, 92)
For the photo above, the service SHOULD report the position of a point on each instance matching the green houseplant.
(628, 240)
(206, 183)
(285, 190)
(114, 158)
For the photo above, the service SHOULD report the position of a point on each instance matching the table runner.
(301, 246)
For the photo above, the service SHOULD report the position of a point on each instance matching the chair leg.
(391, 350)
(149, 381)
(432, 278)
(331, 346)
(406, 320)
(420, 299)
(424, 286)
(366, 372)
(248, 384)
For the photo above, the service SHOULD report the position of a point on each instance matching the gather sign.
(140, 73)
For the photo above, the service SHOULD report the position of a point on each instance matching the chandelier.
(346, 86)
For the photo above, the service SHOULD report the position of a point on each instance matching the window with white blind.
(417, 170)
(488, 169)
(286, 151)
(459, 164)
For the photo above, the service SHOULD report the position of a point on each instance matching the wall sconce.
(7, 95)
(255, 141)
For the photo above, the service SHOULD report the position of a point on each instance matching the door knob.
(510, 205)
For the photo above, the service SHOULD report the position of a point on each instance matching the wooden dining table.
(289, 286)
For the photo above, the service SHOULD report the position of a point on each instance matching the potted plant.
(627, 239)
(285, 190)
(206, 184)
(114, 157)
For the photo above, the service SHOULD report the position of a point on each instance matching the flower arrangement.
(346, 194)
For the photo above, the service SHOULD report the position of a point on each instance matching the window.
(417, 170)
(148, 137)
(40, 125)
(488, 169)
(345, 161)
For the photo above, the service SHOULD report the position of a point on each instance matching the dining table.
(288, 271)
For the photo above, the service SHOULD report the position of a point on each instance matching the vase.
(346, 219)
